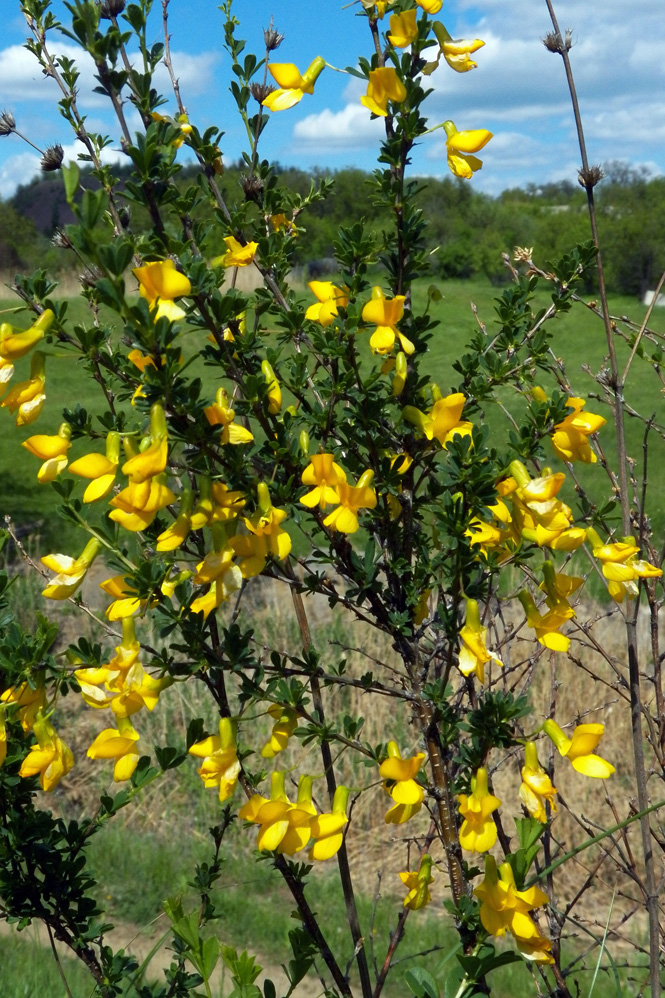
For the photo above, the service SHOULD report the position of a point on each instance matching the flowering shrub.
(327, 460)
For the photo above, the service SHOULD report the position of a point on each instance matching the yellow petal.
(593, 765)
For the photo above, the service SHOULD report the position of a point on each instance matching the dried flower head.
(61, 240)
(252, 186)
(553, 41)
(590, 177)
(523, 254)
(90, 277)
(52, 158)
(260, 91)
(272, 38)
(111, 8)
(7, 123)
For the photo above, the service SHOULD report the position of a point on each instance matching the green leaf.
(421, 983)
(453, 981)
(209, 956)
(529, 831)
(70, 176)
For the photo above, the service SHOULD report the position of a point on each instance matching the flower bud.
(400, 373)
(274, 391)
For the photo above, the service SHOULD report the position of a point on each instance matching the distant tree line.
(468, 230)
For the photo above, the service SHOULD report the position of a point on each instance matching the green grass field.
(579, 339)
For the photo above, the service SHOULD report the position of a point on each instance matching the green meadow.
(578, 339)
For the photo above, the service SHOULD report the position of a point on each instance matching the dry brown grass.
(586, 686)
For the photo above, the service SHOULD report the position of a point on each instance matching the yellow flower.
(579, 748)
(176, 533)
(344, 517)
(216, 502)
(557, 586)
(137, 505)
(118, 744)
(399, 776)
(13, 345)
(569, 440)
(217, 570)
(70, 572)
(237, 254)
(620, 566)
(300, 818)
(376, 10)
(443, 422)
(100, 468)
(220, 766)
(159, 284)
(536, 788)
(135, 690)
(328, 829)
(114, 674)
(221, 414)
(52, 450)
(181, 123)
(27, 398)
(403, 30)
(503, 907)
(460, 146)
(383, 85)
(325, 476)
(385, 313)
(280, 222)
(473, 653)
(418, 884)
(421, 610)
(456, 52)
(293, 86)
(3, 737)
(153, 454)
(6, 374)
(125, 601)
(283, 827)
(266, 537)
(286, 722)
(547, 626)
(430, 6)
(330, 298)
(50, 757)
(30, 700)
(537, 515)
(478, 832)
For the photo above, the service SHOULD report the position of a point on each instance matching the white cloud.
(332, 131)
(22, 79)
(195, 73)
(17, 170)
(21, 168)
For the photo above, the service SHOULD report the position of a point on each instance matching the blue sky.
(517, 92)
